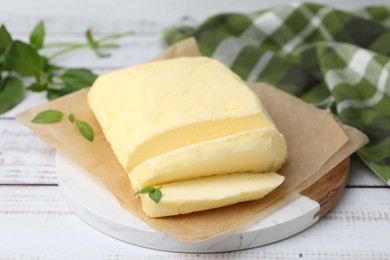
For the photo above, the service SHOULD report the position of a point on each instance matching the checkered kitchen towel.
(330, 58)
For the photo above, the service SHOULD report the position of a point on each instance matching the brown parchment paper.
(316, 144)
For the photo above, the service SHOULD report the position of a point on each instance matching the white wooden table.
(35, 222)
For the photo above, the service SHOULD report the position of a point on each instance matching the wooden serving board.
(328, 190)
(99, 208)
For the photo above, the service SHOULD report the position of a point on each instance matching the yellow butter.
(193, 127)
(151, 109)
(210, 192)
(259, 150)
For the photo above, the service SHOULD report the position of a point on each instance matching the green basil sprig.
(154, 193)
(21, 60)
(55, 116)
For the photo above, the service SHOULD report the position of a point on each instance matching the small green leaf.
(2, 67)
(51, 94)
(101, 54)
(94, 45)
(71, 118)
(48, 117)
(72, 80)
(37, 36)
(144, 190)
(85, 129)
(91, 41)
(37, 87)
(49, 68)
(5, 39)
(76, 79)
(56, 86)
(12, 93)
(23, 59)
(45, 62)
(155, 195)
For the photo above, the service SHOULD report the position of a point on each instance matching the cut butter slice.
(154, 108)
(210, 192)
(259, 150)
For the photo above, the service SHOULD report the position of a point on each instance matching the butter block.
(259, 150)
(151, 109)
(210, 192)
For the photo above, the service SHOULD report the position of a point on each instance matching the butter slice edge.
(261, 150)
(209, 193)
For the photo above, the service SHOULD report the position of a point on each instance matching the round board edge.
(308, 214)
(328, 190)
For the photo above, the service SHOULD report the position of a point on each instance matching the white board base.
(98, 207)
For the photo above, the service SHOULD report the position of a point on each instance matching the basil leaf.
(155, 195)
(101, 54)
(37, 36)
(37, 87)
(2, 67)
(71, 118)
(91, 41)
(23, 59)
(55, 86)
(76, 79)
(12, 93)
(5, 39)
(48, 117)
(144, 190)
(72, 80)
(85, 129)
(50, 68)
(94, 45)
(51, 94)
(2, 84)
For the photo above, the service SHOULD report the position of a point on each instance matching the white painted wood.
(32, 99)
(161, 10)
(361, 175)
(25, 159)
(134, 49)
(144, 16)
(36, 222)
(98, 207)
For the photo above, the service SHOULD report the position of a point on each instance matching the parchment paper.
(316, 143)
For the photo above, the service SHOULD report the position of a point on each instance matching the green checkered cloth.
(333, 59)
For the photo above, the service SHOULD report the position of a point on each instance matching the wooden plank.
(328, 190)
(132, 50)
(361, 175)
(33, 99)
(36, 222)
(63, 23)
(25, 13)
(25, 159)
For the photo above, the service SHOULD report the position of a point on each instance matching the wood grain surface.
(329, 189)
